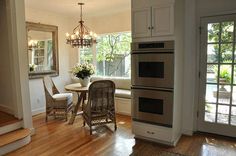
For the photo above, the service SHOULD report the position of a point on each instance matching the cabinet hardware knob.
(150, 132)
(152, 27)
(149, 28)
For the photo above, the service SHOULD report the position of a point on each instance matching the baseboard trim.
(38, 111)
(187, 132)
(6, 109)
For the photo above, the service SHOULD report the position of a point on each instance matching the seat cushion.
(121, 83)
(123, 93)
(64, 96)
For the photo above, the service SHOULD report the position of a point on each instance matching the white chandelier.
(81, 36)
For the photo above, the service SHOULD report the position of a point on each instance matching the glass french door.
(217, 103)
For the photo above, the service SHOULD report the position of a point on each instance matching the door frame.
(216, 128)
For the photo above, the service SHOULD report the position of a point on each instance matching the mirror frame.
(45, 28)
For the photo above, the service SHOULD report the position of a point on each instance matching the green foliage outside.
(111, 49)
(222, 42)
(226, 36)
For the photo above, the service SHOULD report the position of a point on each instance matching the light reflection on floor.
(211, 148)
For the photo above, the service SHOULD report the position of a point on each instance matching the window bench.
(122, 93)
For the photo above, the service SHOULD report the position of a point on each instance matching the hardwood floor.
(6, 119)
(58, 138)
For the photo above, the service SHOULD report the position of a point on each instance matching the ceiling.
(70, 7)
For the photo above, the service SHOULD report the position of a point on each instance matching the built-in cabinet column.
(153, 22)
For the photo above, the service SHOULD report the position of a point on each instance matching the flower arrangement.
(32, 67)
(83, 70)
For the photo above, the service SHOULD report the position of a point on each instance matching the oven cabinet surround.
(152, 18)
(164, 134)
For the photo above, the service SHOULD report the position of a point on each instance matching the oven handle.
(155, 89)
(166, 51)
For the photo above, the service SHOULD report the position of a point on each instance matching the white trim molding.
(38, 111)
(6, 109)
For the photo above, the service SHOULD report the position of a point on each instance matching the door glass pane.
(227, 32)
(225, 74)
(226, 53)
(234, 74)
(223, 114)
(213, 32)
(212, 71)
(234, 96)
(212, 53)
(233, 116)
(211, 93)
(210, 112)
(224, 94)
(234, 53)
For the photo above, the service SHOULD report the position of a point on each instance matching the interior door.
(217, 100)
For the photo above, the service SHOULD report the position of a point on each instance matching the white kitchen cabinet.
(162, 20)
(141, 22)
(153, 20)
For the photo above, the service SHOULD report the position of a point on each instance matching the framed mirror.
(42, 50)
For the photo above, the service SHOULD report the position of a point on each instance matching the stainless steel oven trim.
(164, 120)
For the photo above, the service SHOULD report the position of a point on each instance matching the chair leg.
(115, 126)
(66, 116)
(46, 119)
(91, 130)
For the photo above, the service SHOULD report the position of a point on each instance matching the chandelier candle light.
(81, 36)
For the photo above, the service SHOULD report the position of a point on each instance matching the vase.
(85, 82)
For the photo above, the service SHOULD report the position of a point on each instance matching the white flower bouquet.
(83, 70)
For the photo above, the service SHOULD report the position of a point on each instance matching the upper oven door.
(153, 70)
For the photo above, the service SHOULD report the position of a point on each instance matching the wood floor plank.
(58, 138)
(6, 119)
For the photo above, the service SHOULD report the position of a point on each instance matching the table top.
(76, 87)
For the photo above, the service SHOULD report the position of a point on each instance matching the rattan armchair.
(57, 104)
(100, 108)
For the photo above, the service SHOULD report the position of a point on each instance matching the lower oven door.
(153, 69)
(152, 106)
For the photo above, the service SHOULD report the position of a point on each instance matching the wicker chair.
(57, 104)
(100, 108)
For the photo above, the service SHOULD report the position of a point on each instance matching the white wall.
(195, 9)
(66, 56)
(6, 100)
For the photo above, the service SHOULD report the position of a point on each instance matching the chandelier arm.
(76, 28)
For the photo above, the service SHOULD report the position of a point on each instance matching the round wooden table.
(81, 91)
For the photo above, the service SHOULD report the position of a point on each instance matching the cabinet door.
(141, 22)
(162, 20)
